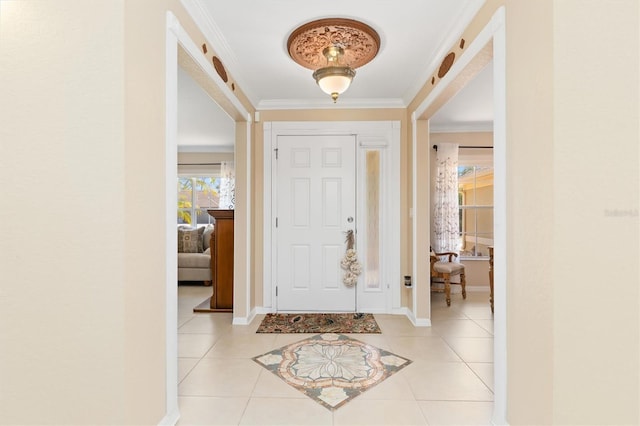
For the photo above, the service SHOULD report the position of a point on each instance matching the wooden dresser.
(222, 261)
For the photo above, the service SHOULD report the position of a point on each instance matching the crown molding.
(363, 103)
(449, 39)
(218, 43)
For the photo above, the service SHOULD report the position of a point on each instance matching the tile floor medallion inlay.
(332, 368)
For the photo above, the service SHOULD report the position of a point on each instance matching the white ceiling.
(471, 109)
(250, 38)
(202, 125)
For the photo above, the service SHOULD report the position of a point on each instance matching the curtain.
(446, 231)
(227, 185)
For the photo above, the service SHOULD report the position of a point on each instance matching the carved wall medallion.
(217, 64)
(359, 41)
(446, 64)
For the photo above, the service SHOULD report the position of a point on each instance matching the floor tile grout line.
(385, 338)
(198, 362)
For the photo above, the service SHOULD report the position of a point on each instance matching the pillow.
(190, 240)
(206, 236)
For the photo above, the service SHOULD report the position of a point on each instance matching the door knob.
(350, 219)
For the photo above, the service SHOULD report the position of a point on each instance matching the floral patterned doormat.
(319, 323)
(332, 368)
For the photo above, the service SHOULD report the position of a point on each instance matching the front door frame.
(384, 134)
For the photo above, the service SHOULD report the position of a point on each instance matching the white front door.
(316, 205)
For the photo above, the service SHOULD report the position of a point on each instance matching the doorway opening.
(490, 44)
(181, 51)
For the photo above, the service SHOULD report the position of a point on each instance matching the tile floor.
(450, 381)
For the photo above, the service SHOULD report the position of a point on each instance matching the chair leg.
(463, 284)
(447, 288)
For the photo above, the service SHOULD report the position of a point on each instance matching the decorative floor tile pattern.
(332, 368)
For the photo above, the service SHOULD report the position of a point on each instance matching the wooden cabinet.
(222, 261)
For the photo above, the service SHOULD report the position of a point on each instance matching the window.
(475, 195)
(197, 194)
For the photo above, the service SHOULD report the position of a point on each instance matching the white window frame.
(475, 207)
(194, 197)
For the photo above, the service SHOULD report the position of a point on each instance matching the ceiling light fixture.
(334, 79)
(333, 48)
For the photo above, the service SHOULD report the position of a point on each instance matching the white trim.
(218, 43)
(500, 218)
(327, 103)
(268, 296)
(494, 30)
(246, 320)
(469, 11)
(261, 310)
(247, 225)
(418, 322)
(177, 36)
(413, 213)
(393, 214)
(170, 419)
(403, 310)
(371, 133)
(171, 199)
(467, 56)
(196, 54)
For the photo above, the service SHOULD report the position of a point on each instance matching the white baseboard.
(418, 322)
(170, 419)
(263, 310)
(245, 320)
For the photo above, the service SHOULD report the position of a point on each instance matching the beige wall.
(64, 275)
(562, 99)
(144, 162)
(563, 103)
(596, 118)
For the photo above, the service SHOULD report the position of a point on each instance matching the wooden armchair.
(445, 270)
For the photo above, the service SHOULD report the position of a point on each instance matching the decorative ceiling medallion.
(217, 64)
(446, 64)
(307, 42)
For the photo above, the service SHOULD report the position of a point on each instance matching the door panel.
(315, 192)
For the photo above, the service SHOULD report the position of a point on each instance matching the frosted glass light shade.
(334, 80)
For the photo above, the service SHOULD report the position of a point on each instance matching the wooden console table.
(491, 277)
(221, 263)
